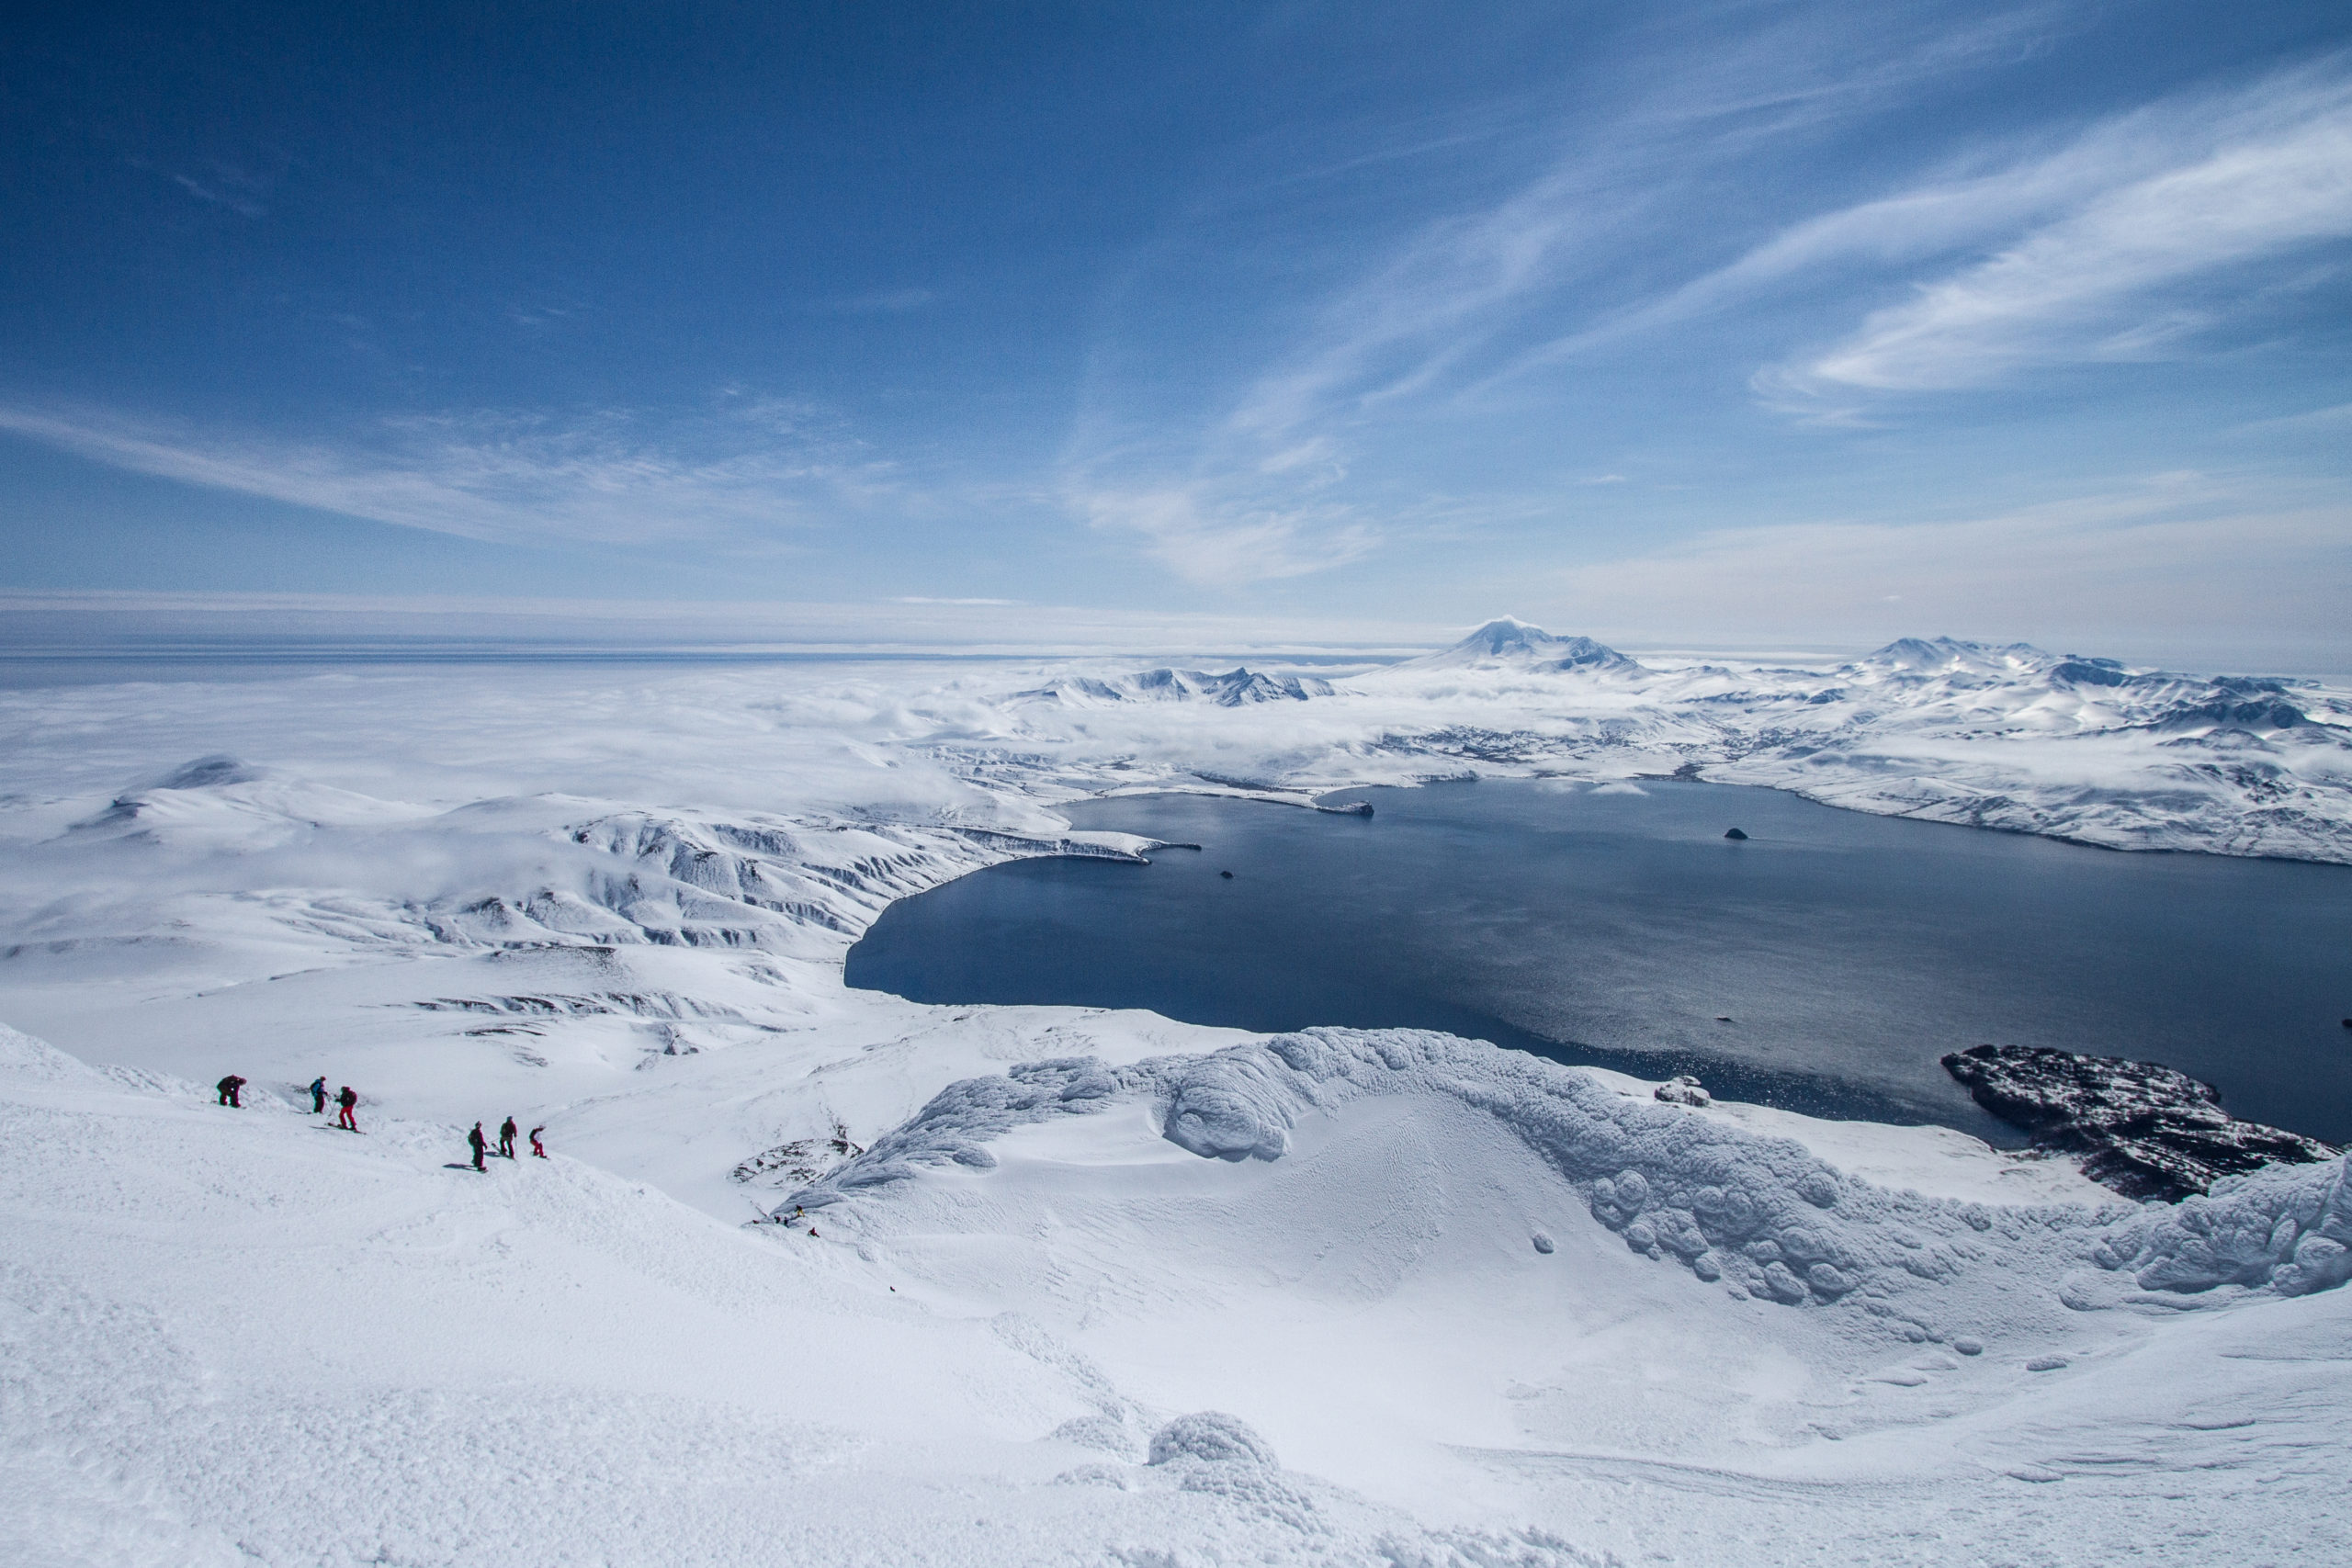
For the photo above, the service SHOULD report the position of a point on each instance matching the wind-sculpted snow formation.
(1765, 1217)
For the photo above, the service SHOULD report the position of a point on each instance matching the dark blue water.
(1849, 952)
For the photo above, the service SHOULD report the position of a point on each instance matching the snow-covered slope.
(242, 1337)
(1328, 1298)
(617, 903)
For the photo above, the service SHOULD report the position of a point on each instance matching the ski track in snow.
(1088, 1287)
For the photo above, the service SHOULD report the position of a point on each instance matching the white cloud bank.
(206, 626)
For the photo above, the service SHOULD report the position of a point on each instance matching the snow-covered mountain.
(1510, 643)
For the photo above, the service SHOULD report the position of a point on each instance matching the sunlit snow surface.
(617, 903)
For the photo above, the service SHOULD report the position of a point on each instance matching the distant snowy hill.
(1234, 688)
(1510, 643)
(2004, 736)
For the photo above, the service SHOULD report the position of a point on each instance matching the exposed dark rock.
(2148, 1131)
(1736, 833)
(1226, 874)
(2091, 672)
(2222, 713)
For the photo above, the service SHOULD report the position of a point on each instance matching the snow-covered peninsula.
(816, 1274)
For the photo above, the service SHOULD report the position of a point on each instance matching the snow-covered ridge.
(1765, 1217)
(1235, 688)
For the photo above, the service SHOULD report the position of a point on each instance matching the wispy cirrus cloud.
(1258, 486)
(878, 303)
(241, 190)
(745, 468)
(1453, 301)
(2127, 245)
(1226, 541)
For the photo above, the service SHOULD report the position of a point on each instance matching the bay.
(1823, 964)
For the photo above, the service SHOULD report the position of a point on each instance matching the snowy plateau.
(817, 1276)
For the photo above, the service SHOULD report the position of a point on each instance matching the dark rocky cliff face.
(2147, 1130)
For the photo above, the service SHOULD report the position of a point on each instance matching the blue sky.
(1713, 323)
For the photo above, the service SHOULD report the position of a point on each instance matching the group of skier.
(506, 1130)
(347, 1100)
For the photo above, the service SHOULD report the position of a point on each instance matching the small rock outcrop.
(1736, 833)
(1682, 1091)
(2148, 1131)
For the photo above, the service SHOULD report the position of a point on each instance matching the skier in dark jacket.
(507, 1137)
(319, 1095)
(537, 1148)
(346, 1102)
(228, 1088)
(478, 1143)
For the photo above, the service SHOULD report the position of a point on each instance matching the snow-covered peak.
(208, 772)
(1511, 642)
(1232, 688)
(1952, 656)
(1503, 635)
